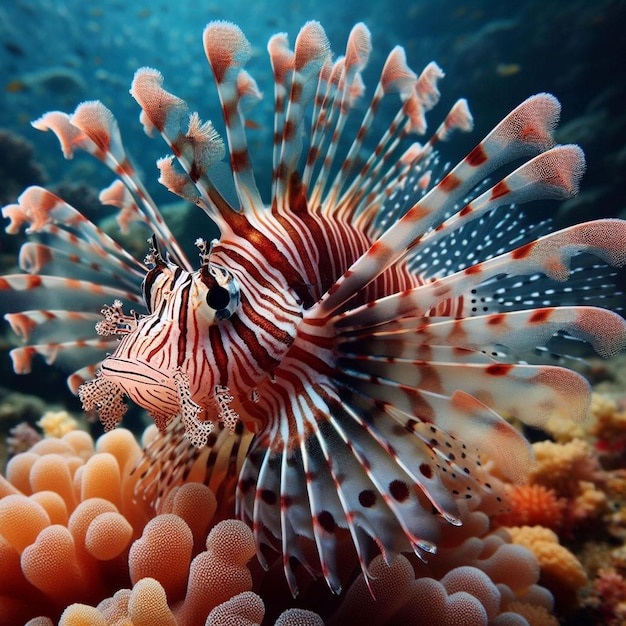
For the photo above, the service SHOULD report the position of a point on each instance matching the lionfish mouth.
(165, 395)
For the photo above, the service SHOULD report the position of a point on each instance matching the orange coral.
(163, 552)
(147, 605)
(244, 609)
(561, 466)
(573, 473)
(72, 532)
(78, 545)
(80, 615)
(64, 535)
(561, 571)
(220, 572)
(532, 505)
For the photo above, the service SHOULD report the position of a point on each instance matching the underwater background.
(55, 54)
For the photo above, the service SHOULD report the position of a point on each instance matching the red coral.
(610, 588)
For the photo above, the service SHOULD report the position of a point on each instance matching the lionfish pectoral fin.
(483, 428)
(271, 492)
(341, 474)
(170, 459)
(478, 427)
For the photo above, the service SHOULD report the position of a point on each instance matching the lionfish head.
(176, 359)
(371, 324)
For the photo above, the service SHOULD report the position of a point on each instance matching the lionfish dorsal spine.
(93, 128)
(227, 51)
(196, 146)
(550, 255)
(344, 87)
(396, 78)
(282, 62)
(527, 129)
(311, 55)
(100, 125)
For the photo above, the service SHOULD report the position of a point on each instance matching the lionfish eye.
(223, 292)
(218, 297)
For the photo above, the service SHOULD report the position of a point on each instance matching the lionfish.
(350, 348)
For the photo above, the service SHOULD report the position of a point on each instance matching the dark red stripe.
(265, 362)
(219, 355)
(183, 314)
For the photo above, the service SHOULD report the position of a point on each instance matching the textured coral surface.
(80, 546)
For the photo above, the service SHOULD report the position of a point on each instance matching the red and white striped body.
(369, 325)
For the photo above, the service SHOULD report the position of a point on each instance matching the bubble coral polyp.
(67, 518)
(73, 531)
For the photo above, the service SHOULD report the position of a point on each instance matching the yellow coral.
(609, 423)
(573, 472)
(602, 407)
(562, 466)
(590, 501)
(556, 562)
(57, 423)
(563, 429)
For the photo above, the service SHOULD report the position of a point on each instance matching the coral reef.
(79, 545)
(561, 571)
(531, 505)
(464, 595)
(609, 588)
(57, 423)
(572, 472)
(21, 438)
